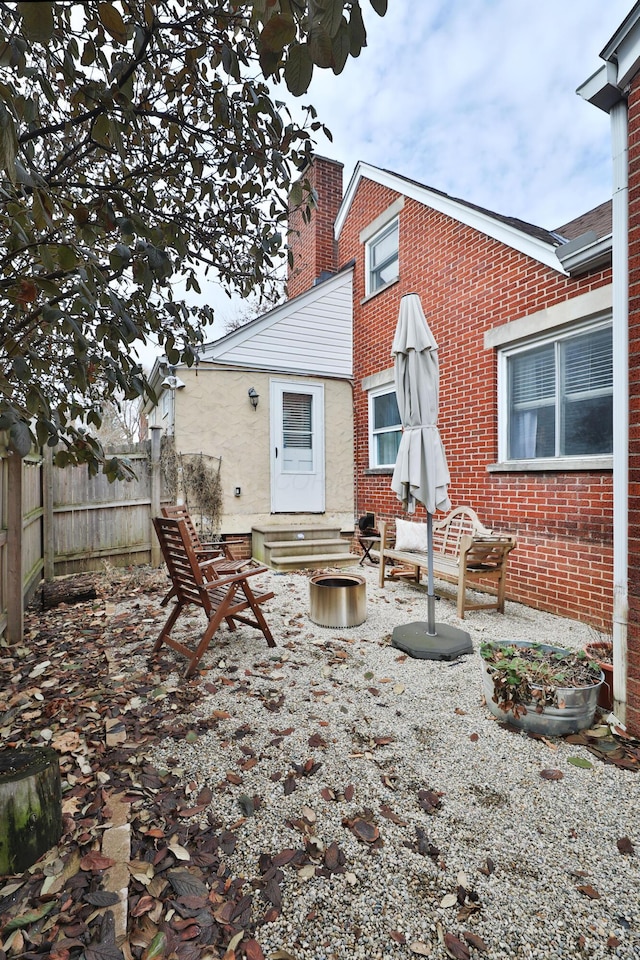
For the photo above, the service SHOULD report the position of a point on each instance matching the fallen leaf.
(94, 861)
(179, 852)
(26, 919)
(368, 832)
(625, 846)
(449, 900)
(252, 950)
(422, 949)
(103, 898)
(456, 948)
(580, 762)
(551, 774)
(589, 891)
(475, 941)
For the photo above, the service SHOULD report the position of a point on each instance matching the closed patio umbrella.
(421, 473)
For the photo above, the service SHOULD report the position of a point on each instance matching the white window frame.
(370, 245)
(583, 461)
(373, 434)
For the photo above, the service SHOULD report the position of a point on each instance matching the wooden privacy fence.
(58, 521)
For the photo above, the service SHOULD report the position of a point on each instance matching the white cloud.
(478, 99)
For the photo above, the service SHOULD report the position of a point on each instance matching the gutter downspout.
(620, 152)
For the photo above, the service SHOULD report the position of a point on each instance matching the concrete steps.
(300, 547)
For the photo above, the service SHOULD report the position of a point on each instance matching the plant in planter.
(540, 688)
(602, 652)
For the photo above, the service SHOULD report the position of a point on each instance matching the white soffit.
(482, 222)
(624, 48)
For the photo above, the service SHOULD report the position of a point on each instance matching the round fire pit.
(337, 599)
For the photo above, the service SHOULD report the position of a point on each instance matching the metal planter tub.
(337, 599)
(573, 709)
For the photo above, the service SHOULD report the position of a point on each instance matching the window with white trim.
(385, 428)
(557, 396)
(382, 257)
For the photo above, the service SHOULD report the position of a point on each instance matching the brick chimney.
(312, 244)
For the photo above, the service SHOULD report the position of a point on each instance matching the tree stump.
(30, 806)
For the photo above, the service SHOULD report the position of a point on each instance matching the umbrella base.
(447, 643)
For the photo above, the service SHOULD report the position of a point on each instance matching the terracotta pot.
(602, 653)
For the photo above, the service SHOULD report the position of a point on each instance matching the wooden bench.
(464, 552)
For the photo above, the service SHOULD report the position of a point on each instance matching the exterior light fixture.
(173, 382)
(254, 396)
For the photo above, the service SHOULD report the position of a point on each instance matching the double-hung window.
(382, 257)
(558, 396)
(385, 428)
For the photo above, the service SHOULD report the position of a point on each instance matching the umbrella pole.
(431, 600)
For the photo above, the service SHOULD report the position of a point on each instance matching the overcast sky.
(477, 98)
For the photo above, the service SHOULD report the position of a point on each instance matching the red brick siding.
(633, 671)
(468, 284)
(312, 244)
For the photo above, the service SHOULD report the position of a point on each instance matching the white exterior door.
(297, 447)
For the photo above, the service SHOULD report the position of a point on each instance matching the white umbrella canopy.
(421, 472)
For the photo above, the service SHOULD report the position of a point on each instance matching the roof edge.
(482, 222)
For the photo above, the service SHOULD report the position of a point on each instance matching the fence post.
(48, 548)
(15, 600)
(156, 485)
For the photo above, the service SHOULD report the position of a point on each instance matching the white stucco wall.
(214, 416)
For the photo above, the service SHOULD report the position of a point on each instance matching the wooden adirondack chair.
(222, 596)
(218, 551)
(204, 551)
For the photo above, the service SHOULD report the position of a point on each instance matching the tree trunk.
(30, 806)
(67, 590)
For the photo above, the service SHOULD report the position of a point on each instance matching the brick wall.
(468, 284)
(633, 673)
(312, 244)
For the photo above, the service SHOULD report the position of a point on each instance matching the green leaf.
(26, 919)
(37, 20)
(357, 32)
(298, 69)
(332, 17)
(100, 132)
(340, 47)
(320, 47)
(380, 6)
(580, 762)
(8, 143)
(20, 438)
(279, 32)
(157, 947)
(113, 23)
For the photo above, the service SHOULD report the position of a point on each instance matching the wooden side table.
(367, 543)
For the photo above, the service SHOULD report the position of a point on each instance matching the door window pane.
(297, 432)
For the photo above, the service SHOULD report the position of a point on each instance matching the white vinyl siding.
(310, 335)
